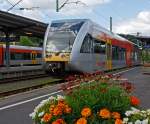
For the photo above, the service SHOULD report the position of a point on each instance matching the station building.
(13, 26)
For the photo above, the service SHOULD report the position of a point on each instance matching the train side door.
(108, 55)
(1, 56)
(99, 56)
(85, 57)
(128, 57)
(33, 57)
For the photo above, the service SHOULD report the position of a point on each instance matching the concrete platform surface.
(140, 77)
(19, 68)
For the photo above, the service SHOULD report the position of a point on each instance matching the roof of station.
(143, 37)
(20, 25)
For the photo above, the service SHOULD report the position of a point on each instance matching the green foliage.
(98, 96)
(146, 56)
(36, 41)
(30, 41)
(25, 41)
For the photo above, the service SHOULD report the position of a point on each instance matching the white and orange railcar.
(21, 55)
(82, 45)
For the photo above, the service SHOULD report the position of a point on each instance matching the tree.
(36, 41)
(25, 41)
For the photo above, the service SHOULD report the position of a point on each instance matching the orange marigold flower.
(105, 113)
(81, 121)
(61, 101)
(47, 117)
(115, 115)
(59, 121)
(118, 121)
(134, 100)
(67, 110)
(61, 105)
(51, 108)
(57, 111)
(86, 112)
(104, 90)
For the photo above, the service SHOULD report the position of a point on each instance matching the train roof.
(104, 30)
(69, 20)
(113, 35)
(23, 47)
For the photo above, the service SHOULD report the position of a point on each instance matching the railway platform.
(19, 68)
(140, 78)
(11, 72)
(12, 106)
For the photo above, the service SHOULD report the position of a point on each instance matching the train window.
(20, 56)
(60, 41)
(26, 56)
(72, 26)
(39, 55)
(122, 53)
(87, 44)
(99, 46)
(115, 52)
(134, 56)
(12, 56)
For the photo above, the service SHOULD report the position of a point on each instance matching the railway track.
(7, 93)
(29, 77)
(60, 80)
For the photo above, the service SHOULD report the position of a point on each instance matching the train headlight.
(63, 56)
(48, 56)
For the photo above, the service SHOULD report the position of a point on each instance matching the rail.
(2, 94)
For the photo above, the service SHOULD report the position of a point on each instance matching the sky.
(129, 16)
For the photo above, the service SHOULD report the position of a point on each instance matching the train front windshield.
(60, 42)
(62, 36)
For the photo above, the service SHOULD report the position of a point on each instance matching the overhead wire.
(98, 14)
(14, 5)
(116, 12)
(105, 19)
(9, 2)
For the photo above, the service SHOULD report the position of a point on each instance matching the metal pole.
(7, 51)
(110, 24)
(57, 5)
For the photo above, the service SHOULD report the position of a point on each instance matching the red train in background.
(21, 55)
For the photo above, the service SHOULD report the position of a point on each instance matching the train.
(85, 46)
(21, 55)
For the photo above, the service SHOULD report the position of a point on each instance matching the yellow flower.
(81, 121)
(105, 113)
(86, 112)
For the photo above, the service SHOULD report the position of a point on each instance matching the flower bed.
(101, 100)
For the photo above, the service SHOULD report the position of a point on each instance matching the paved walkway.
(21, 105)
(140, 77)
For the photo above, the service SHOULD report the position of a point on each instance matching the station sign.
(10, 39)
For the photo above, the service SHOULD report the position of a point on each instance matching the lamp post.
(110, 24)
(57, 5)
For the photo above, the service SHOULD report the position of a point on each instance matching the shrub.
(92, 102)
